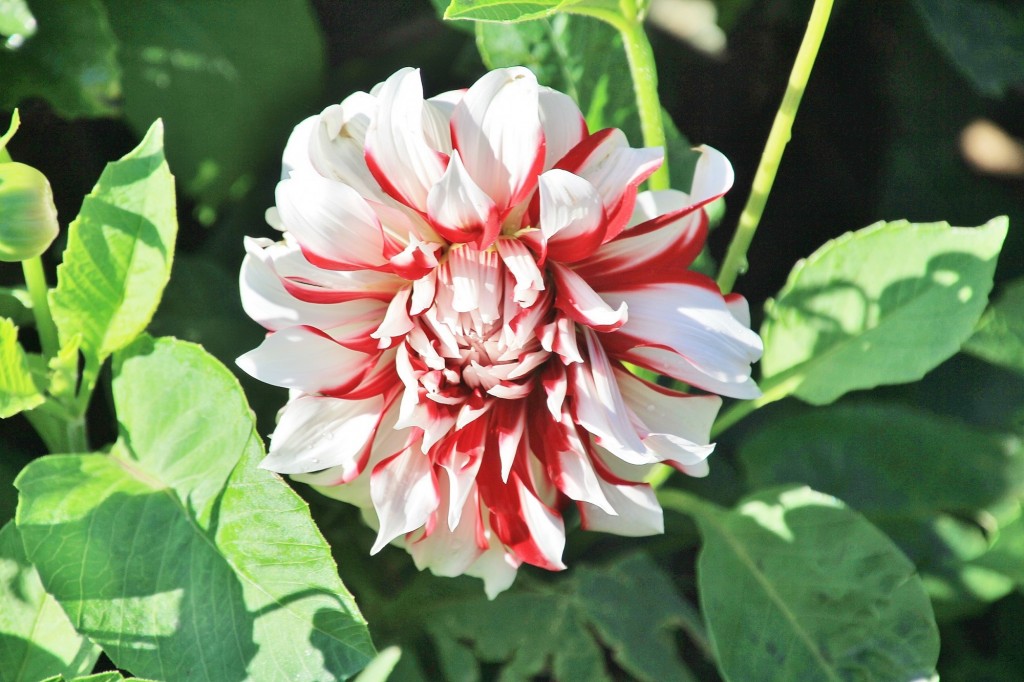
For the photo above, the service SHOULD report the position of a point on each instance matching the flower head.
(459, 283)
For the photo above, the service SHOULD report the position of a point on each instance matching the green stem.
(35, 279)
(629, 23)
(736, 257)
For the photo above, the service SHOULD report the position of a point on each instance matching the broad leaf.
(70, 62)
(882, 305)
(36, 638)
(521, 10)
(920, 477)
(98, 677)
(175, 552)
(983, 38)
(1000, 334)
(229, 79)
(795, 586)
(119, 253)
(18, 391)
(629, 608)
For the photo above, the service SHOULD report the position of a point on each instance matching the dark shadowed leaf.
(1000, 334)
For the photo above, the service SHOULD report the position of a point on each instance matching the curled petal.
(404, 490)
(336, 144)
(496, 128)
(583, 304)
(571, 216)
(459, 210)
(563, 124)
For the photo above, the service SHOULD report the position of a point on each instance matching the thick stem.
(35, 280)
(736, 257)
(640, 56)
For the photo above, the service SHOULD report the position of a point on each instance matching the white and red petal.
(404, 491)
(459, 210)
(397, 150)
(583, 304)
(563, 124)
(572, 216)
(697, 327)
(335, 146)
(637, 512)
(523, 266)
(332, 223)
(497, 131)
(306, 359)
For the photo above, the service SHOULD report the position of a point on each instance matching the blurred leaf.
(98, 677)
(999, 337)
(71, 62)
(918, 476)
(181, 563)
(18, 391)
(629, 607)
(11, 129)
(36, 638)
(882, 305)
(520, 10)
(983, 38)
(229, 78)
(731, 11)
(119, 253)
(16, 19)
(795, 586)
(16, 305)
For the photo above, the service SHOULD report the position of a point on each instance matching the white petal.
(496, 128)
(563, 124)
(317, 433)
(571, 215)
(445, 552)
(613, 166)
(459, 210)
(523, 266)
(404, 493)
(305, 359)
(397, 151)
(336, 145)
(296, 150)
(577, 477)
(712, 177)
(331, 221)
(583, 304)
(637, 512)
(497, 568)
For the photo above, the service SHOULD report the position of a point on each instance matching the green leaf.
(16, 20)
(229, 78)
(934, 485)
(629, 607)
(119, 253)
(999, 337)
(18, 392)
(381, 667)
(983, 38)
(36, 638)
(98, 677)
(518, 10)
(11, 129)
(181, 563)
(70, 62)
(882, 305)
(16, 305)
(795, 586)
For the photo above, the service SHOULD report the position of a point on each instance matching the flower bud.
(28, 218)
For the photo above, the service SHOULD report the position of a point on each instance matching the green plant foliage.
(71, 61)
(16, 19)
(894, 464)
(518, 10)
(175, 553)
(628, 607)
(1000, 334)
(882, 305)
(381, 667)
(983, 38)
(98, 677)
(796, 586)
(119, 253)
(17, 389)
(36, 638)
(228, 77)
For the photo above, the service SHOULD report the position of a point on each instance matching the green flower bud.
(28, 218)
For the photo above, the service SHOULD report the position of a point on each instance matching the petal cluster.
(458, 285)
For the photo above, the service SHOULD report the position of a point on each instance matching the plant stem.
(35, 279)
(629, 23)
(736, 257)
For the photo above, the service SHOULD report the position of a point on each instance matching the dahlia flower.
(459, 285)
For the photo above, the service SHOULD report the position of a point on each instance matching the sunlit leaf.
(36, 638)
(175, 552)
(936, 486)
(795, 586)
(70, 62)
(520, 10)
(229, 78)
(16, 20)
(882, 305)
(18, 391)
(1000, 334)
(119, 253)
